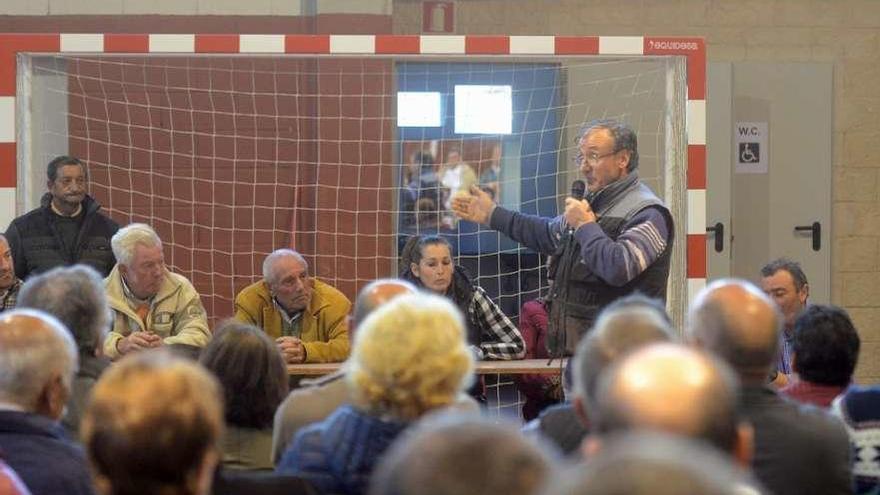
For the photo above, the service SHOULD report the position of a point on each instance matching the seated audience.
(784, 281)
(427, 263)
(75, 295)
(798, 450)
(409, 358)
(622, 327)
(162, 436)
(642, 463)
(306, 317)
(451, 455)
(316, 399)
(151, 306)
(673, 389)
(254, 380)
(824, 355)
(37, 361)
(9, 283)
(859, 408)
(153, 426)
(538, 390)
(68, 227)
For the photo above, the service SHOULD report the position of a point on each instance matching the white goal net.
(229, 157)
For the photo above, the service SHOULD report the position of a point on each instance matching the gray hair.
(370, 297)
(30, 357)
(75, 295)
(450, 455)
(624, 138)
(617, 332)
(792, 267)
(124, 241)
(640, 463)
(274, 257)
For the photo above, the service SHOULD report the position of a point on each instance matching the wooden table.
(517, 367)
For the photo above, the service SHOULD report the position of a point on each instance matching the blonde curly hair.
(409, 357)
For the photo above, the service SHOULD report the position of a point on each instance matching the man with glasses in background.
(615, 241)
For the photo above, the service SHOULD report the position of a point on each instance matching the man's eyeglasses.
(592, 158)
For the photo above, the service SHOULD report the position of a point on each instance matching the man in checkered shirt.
(9, 283)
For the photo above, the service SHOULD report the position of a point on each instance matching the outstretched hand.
(475, 207)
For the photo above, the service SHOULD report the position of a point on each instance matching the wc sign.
(750, 147)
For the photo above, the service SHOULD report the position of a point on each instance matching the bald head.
(37, 360)
(617, 331)
(738, 322)
(377, 293)
(671, 388)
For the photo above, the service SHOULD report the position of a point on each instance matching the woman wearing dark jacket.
(427, 262)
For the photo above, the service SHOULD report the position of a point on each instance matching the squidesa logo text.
(672, 45)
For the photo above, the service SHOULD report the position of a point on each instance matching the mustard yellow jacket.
(324, 323)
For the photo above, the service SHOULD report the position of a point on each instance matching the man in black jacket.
(798, 450)
(67, 228)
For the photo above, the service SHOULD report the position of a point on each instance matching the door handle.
(718, 231)
(815, 230)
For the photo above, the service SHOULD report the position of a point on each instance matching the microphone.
(578, 188)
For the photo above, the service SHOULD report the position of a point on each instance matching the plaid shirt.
(10, 297)
(500, 339)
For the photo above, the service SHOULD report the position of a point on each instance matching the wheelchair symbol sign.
(749, 152)
(751, 147)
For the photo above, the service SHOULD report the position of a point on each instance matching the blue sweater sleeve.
(538, 233)
(641, 241)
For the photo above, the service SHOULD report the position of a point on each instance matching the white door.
(774, 124)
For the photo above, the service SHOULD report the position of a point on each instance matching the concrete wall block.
(868, 367)
(92, 7)
(607, 12)
(734, 36)
(867, 322)
(24, 7)
(855, 184)
(234, 7)
(862, 13)
(164, 7)
(795, 36)
(408, 18)
(809, 13)
(779, 53)
(741, 13)
(860, 78)
(858, 113)
(670, 13)
(861, 149)
(836, 286)
(286, 7)
(855, 219)
(860, 289)
(855, 254)
(726, 53)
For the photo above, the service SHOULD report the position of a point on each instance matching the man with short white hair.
(151, 306)
(37, 361)
(307, 318)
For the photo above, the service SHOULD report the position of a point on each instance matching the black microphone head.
(578, 188)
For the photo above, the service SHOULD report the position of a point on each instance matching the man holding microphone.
(616, 241)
